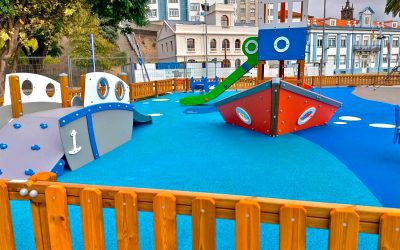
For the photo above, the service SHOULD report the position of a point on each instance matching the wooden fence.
(349, 80)
(155, 88)
(52, 230)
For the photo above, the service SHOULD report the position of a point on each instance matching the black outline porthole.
(119, 84)
(27, 87)
(101, 83)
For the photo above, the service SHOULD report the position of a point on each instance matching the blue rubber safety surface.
(350, 163)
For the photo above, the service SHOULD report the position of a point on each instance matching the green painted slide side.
(250, 49)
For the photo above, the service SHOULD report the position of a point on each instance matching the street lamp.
(205, 7)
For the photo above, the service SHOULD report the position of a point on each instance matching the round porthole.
(50, 89)
(103, 88)
(243, 115)
(119, 91)
(27, 87)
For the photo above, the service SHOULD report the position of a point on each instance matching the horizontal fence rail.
(51, 222)
(154, 88)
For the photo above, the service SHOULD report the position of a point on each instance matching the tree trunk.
(9, 51)
(2, 75)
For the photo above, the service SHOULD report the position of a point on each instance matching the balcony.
(366, 48)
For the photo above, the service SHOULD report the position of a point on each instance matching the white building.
(358, 46)
(182, 41)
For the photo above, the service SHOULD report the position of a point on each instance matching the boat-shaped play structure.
(39, 131)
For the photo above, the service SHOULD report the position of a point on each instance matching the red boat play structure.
(278, 107)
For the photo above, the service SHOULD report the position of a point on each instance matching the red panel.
(257, 106)
(292, 106)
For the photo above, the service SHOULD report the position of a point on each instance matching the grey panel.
(19, 156)
(112, 128)
(310, 94)
(56, 113)
(33, 107)
(84, 156)
(5, 115)
(245, 93)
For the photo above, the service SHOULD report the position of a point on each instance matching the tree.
(24, 20)
(393, 6)
(80, 25)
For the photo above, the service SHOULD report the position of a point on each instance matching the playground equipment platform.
(51, 137)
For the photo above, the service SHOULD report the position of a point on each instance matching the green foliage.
(393, 6)
(81, 24)
(118, 11)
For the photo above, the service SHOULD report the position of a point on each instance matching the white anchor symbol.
(75, 149)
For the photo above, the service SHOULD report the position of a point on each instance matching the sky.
(316, 8)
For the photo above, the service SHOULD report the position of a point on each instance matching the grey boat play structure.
(47, 137)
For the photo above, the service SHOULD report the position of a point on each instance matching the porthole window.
(50, 89)
(27, 87)
(119, 91)
(103, 88)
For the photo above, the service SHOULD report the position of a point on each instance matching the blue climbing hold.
(44, 125)
(17, 125)
(29, 172)
(35, 147)
(3, 146)
(1, 171)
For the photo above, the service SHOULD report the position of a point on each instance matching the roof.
(345, 23)
(368, 8)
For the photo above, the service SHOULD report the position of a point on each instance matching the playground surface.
(351, 160)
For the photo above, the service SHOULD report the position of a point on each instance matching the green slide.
(250, 49)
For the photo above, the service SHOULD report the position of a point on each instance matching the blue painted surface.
(58, 169)
(202, 153)
(29, 172)
(368, 152)
(89, 110)
(297, 48)
(44, 125)
(35, 147)
(92, 137)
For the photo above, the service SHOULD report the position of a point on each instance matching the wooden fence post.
(40, 216)
(127, 220)
(124, 77)
(203, 224)
(6, 229)
(156, 88)
(92, 218)
(164, 209)
(65, 97)
(343, 229)
(82, 83)
(292, 230)
(57, 217)
(248, 219)
(389, 231)
(15, 93)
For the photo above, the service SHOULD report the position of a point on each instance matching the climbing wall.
(30, 145)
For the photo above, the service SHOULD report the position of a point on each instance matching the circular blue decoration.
(35, 147)
(3, 146)
(44, 125)
(29, 172)
(17, 125)
(243, 115)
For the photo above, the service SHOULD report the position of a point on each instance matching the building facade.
(358, 46)
(186, 42)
